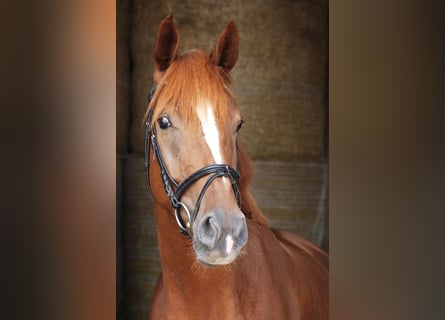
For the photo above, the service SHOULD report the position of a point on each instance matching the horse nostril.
(208, 231)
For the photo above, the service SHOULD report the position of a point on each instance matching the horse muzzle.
(218, 237)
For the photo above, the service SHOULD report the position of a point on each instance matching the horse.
(225, 262)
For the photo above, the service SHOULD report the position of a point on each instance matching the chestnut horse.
(226, 263)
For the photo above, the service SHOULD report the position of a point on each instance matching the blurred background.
(281, 86)
(60, 127)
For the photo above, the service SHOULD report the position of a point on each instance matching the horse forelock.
(191, 81)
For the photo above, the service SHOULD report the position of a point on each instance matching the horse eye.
(240, 125)
(164, 122)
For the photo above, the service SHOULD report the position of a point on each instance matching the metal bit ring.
(184, 229)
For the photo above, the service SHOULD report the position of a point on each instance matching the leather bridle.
(175, 190)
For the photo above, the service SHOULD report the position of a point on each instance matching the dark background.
(281, 86)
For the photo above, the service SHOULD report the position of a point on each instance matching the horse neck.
(246, 168)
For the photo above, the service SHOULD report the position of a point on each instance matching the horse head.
(194, 121)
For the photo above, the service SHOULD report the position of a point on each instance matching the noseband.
(175, 190)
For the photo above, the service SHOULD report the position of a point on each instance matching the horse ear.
(225, 52)
(166, 44)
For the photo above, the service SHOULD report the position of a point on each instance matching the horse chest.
(220, 304)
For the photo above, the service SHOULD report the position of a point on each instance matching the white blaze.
(210, 129)
(229, 244)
